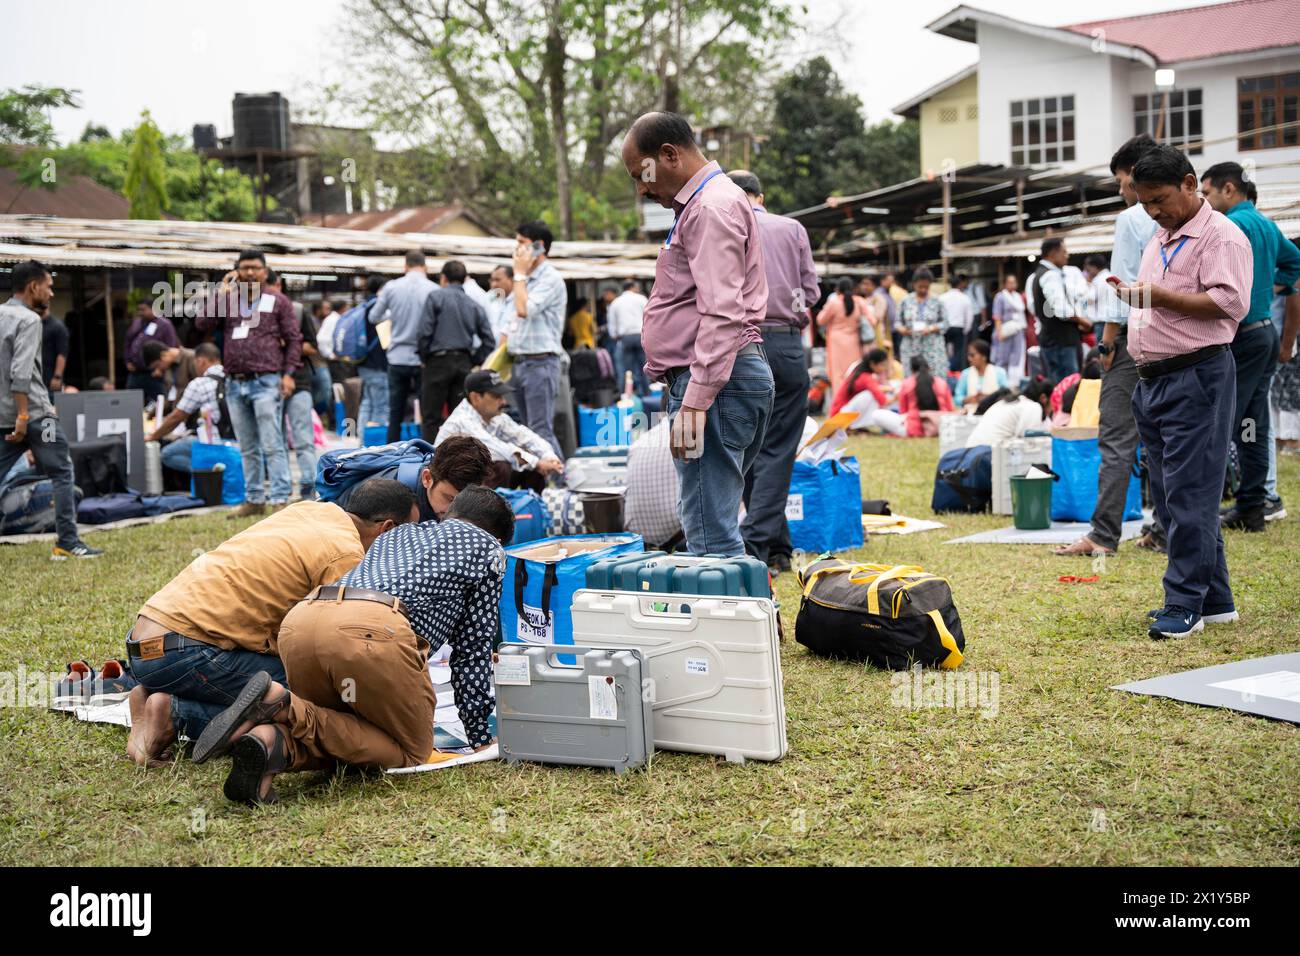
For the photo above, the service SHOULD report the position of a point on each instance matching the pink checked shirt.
(710, 292)
(1215, 259)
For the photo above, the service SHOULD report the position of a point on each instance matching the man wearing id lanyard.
(702, 327)
(262, 349)
(1193, 289)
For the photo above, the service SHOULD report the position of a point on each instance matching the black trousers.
(1255, 353)
(403, 382)
(767, 485)
(443, 383)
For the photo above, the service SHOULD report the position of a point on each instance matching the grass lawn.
(1067, 772)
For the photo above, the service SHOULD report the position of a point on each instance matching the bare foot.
(1084, 546)
(151, 729)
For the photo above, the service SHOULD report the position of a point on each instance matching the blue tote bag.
(824, 506)
(205, 457)
(1074, 497)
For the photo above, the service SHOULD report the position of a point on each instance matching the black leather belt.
(537, 355)
(1155, 369)
(673, 374)
(442, 352)
(171, 641)
(1251, 326)
(330, 592)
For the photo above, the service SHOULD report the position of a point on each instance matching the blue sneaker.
(1226, 614)
(1174, 621)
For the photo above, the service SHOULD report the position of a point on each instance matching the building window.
(948, 114)
(1263, 104)
(972, 112)
(1042, 131)
(1171, 117)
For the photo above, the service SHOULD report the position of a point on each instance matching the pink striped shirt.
(710, 291)
(1216, 259)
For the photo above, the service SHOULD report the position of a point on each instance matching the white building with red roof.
(1222, 81)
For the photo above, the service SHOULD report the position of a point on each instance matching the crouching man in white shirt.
(520, 457)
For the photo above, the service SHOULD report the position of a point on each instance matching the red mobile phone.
(1114, 280)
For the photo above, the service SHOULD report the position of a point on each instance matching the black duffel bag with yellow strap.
(891, 616)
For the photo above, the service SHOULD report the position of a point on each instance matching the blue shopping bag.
(532, 520)
(824, 506)
(1074, 496)
(204, 457)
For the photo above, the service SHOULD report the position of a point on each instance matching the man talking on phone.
(262, 348)
(702, 327)
(540, 301)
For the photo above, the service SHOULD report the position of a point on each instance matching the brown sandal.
(248, 706)
(251, 761)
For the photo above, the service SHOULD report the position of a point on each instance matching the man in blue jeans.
(702, 327)
(263, 348)
(1276, 262)
(541, 301)
(28, 421)
(195, 643)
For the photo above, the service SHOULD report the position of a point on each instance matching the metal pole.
(947, 228)
(108, 320)
(1020, 207)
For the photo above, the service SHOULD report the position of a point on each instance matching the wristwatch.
(1104, 349)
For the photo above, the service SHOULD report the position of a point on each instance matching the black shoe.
(778, 563)
(215, 739)
(251, 761)
(1274, 510)
(1248, 519)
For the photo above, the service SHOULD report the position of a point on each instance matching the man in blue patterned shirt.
(355, 655)
(541, 302)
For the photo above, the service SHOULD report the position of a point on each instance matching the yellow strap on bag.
(954, 658)
(873, 591)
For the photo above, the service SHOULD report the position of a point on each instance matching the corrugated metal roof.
(75, 195)
(404, 219)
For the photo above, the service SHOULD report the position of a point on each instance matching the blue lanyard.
(1168, 261)
(673, 228)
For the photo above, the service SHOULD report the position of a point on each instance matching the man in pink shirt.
(701, 327)
(1193, 288)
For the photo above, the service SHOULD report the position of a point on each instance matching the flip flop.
(216, 737)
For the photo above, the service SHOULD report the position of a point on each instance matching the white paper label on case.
(697, 665)
(794, 508)
(512, 670)
(604, 702)
(535, 626)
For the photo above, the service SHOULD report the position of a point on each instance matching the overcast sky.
(162, 54)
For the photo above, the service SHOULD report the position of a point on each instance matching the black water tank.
(261, 121)
(205, 136)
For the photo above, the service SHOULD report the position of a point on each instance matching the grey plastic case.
(590, 715)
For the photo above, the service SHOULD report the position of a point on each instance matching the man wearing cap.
(520, 457)
(702, 327)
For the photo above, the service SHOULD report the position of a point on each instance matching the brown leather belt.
(335, 592)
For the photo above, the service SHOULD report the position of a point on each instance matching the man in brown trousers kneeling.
(355, 654)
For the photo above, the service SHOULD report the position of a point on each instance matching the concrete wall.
(952, 142)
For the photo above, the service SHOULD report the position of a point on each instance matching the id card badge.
(240, 331)
(266, 303)
(151, 328)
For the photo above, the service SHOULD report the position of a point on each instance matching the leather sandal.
(251, 761)
(248, 706)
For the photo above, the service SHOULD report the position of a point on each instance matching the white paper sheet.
(1280, 685)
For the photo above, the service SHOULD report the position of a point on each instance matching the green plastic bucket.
(1031, 503)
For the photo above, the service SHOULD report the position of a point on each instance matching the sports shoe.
(112, 684)
(1248, 519)
(73, 691)
(1274, 510)
(247, 510)
(307, 492)
(778, 563)
(78, 550)
(1218, 615)
(1174, 621)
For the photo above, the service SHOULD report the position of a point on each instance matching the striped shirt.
(1215, 259)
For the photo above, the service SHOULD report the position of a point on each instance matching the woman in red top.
(922, 399)
(861, 392)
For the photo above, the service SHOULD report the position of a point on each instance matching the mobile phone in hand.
(1114, 280)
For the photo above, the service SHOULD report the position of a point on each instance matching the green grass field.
(1067, 772)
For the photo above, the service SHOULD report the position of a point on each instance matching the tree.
(23, 114)
(820, 146)
(145, 185)
(516, 106)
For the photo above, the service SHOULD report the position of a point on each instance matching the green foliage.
(819, 145)
(145, 184)
(24, 119)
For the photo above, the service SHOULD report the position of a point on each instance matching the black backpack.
(224, 427)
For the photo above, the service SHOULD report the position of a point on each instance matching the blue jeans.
(49, 446)
(322, 390)
(203, 680)
(536, 382)
(767, 486)
(1185, 420)
(257, 415)
(298, 411)
(713, 483)
(630, 357)
(374, 398)
(176, 454)
(1060, 360)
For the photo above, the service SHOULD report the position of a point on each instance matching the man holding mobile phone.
(262, 348)
(541, 301)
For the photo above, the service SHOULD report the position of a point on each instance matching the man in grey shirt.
(451, 323)
(28, 421)
(402, 302)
